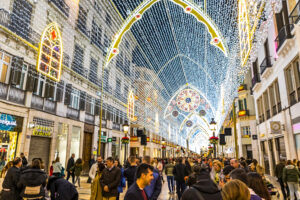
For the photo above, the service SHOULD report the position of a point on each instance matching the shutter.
(97, 107)
(59, 91)
(30, 82)
(240, 105)
(47, 86)
(245, 103)
(51, 90)
(279, 21)
(68, 91)
(82, 100)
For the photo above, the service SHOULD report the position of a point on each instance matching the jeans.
(77, 179)
(285, 190)
(180, 187)
(71, 174)
(170, 183)
(294, 188)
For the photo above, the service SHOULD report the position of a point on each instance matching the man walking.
(279, 174)
(70, 168)
(24, 160)
(110, 180)
(180, 172)
(170, 177)
(93, 170)
(129, 173)
(153, 190)
(10, 190)
(144, 175)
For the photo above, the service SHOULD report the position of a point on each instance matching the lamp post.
(213, 128)
(125, 130)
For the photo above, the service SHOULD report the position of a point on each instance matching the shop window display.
(61, 143)
(8, 142)
(75, 141)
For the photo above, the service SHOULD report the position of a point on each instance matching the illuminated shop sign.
(7, 122)
(50, 54)
(42, 131)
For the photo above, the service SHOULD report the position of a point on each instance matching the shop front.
(62, 142)
(87, 144)
(40, 142)
(10, 130)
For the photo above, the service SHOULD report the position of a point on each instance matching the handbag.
(32, 190)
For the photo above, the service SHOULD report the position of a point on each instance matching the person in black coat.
(70, 166)
(24, 160)
(144, 177)
(180, 172)
(10, 189)
(33, 181)
(204, 188)
(61, 189)
(129, 173)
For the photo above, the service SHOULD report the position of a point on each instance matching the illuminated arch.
(50, 53)
(188, 6)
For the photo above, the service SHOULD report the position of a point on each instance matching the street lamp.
(125, 140)
(213, 128)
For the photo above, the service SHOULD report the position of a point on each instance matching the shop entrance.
(40, 148)
(87, 151)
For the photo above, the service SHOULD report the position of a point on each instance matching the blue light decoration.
(7, 122)
(173, 51)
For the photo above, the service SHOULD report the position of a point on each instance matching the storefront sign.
(103, 139)
(296, 128)
(242, 113)
(42, 131)
(133, 139)
(7, 122)
(114, 139)
(109, 139)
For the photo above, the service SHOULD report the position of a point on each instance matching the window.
(266, 104)
(106, 78)
(90, 105)
(93, 71)
(77, 64)
(108, 19)
(242, 104)
(4, 64)
(96, 34)
(38, 83)
(272, 100)
(260, 110)
(246, 131)
(75, 99)
(255, 71)
(291, 74)
(277, 92)
(81, 21)
(23, 77)
(118, 87)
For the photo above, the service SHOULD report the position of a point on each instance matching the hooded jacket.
(32, 178)
(205, 188)
(290, 174)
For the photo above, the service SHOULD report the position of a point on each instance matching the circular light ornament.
(175, 113)
(188, 100)
(138, 16)
(115, 51)
(215, 40)
(202, 113)
(188, 9)
(189, 123)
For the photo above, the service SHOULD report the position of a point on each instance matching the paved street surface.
(85, 191)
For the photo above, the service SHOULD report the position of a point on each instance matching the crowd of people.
(142, 179)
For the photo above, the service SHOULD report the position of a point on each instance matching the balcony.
(255, 80)
(16, 95)
(243, 113)
(19, 26)
(295, 14)
(62, 6)
(266, 63)
(89, 118)
(283, 34)
(73, 113)
(3, 90)
(43, 104)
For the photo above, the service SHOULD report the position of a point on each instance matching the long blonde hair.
(235, 190)
(6, 168)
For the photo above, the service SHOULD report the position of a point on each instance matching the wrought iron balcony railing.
(62, 6)
(283, 34)
(295, 14)
(19, 26)
(265, 64)
(255, 80)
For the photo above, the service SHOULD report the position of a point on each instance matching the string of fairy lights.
(166, 49)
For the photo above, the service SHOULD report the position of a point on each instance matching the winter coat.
(180, 171)
(93, 171)
(24, 161)
(279, 170)
(78, 169)
(122, 181)
(205, 188)
(61, 189)
(11, 182)
(290, 174)
(129, 174)
(70, 164)
(169, 169)
(153, 190)
(32, 178)
(111, 178)
(96, 190)
(57, 167)
(134, 193)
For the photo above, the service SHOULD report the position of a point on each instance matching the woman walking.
(57, 167)
(96, 190)
(291, 177)
(78, 170)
